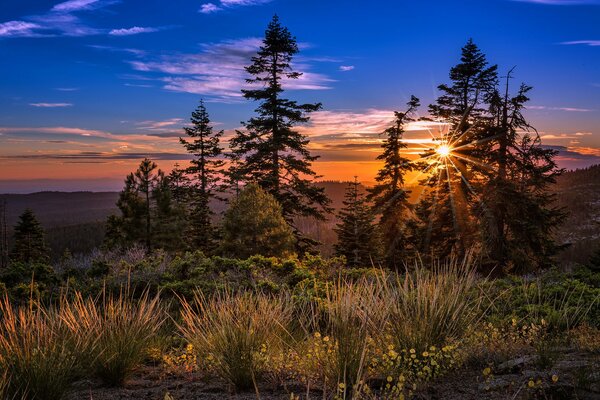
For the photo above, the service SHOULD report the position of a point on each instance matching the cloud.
(218, 70)
(67, 89)
(593, 43)
(50, 105)
(345, 68)
(78, 5)
(562, 2)
(132, 31)
(17, 29)
(136, 52)
(59, 21)
(159, 125)
(568, 109)
(209, 8)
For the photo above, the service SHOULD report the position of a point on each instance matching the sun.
(443, 150)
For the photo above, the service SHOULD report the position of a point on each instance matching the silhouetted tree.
(447, 206)
(357, 236)
(30, 245)
(254, 224)
(3, 235)
(269, 151)
(519, 212)
(389, 195)
(205, 170)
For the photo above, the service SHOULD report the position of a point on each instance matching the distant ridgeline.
(75, 220)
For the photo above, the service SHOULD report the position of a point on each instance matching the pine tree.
(30, 245)
(3, 235)
(389, 196)
(518, 208)
(205, 170)
(448, 219)
(357, 236)
(137, 203)
(254, 224)
(269, 151)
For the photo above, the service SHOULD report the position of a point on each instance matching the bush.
(235, 330)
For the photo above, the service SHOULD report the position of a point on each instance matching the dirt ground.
(577, 376)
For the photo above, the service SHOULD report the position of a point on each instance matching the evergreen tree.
(357, 238)
(448, 218)
(254, 224)
(518, 208)
(205, 170)
(30, 245)
(137, 203)
(269, 151)
(389, 196)
(594, 263)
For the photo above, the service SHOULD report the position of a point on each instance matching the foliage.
(254, 224)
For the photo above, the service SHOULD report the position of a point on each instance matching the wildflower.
(531, 383)
(389, 378)
(326, 339)
(412, 351)
(425, 354)
(487, 371)
(342, 386)
(432, 348)
(554, 378)
(317, 335)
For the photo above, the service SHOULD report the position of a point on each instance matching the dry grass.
(235, 330)
(117, 331)
(432, 306)
(39, 358)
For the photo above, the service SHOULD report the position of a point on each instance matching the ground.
(577, 376)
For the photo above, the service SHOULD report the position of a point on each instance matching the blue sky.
(90, 86)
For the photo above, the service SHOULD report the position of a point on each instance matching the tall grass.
(432, 306)
(354, 312)
(117, 330)
(39, 358)
(234, 329)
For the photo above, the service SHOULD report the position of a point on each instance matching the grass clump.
(39, 358)
(117, 331)
(235, 331)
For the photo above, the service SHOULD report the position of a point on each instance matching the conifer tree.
(389, 196)
(446, 209)
(137, 205)
(30, 245)
(205, 171)
(518, 208)
(254, 224)
(269, 151)
(357, 237)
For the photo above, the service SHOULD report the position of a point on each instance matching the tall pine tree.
(389, 196)
(205, 171)
(357, 236)
(447, 214)
(30, 245)
(269, 151)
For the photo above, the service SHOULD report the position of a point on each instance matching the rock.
(514, 365)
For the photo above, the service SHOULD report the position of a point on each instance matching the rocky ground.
(574, 375)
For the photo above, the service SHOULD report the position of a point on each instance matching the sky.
(90, 87)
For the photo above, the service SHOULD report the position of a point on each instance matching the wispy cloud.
(592, 43)
(209, 8)
(345, 68)
(67, 89)
(567, 109)
(61, 20)
(562, 2)
(51, 105)
(133, 31)
(159, 125)
(218, 70)
(136, 52)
